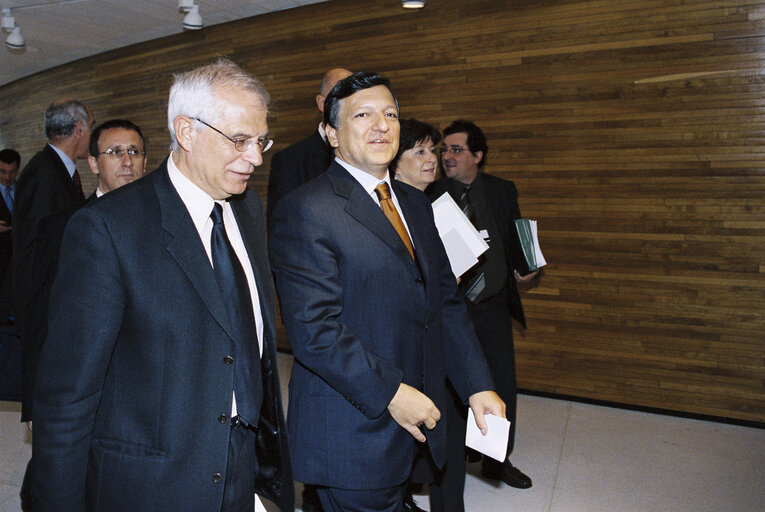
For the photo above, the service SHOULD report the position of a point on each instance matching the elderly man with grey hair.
(158, 385)
(48, 184)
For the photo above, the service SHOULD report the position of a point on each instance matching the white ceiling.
(60, 31)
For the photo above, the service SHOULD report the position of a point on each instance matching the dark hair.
(10, 156)
(476, 140)
(108, 125)
(62, 116)
(356, 82)
(413, 132)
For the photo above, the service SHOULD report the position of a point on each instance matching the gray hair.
(193, 92)
(62, 116)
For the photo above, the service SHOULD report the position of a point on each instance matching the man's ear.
(184, 130)
(478, 157)
(331, 136)
(93, 164)
(320, 102)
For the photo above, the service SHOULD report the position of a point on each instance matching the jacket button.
(216, 478)
(228, 360)
(223, 418)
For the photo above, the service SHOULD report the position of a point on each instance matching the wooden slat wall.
(633, 129)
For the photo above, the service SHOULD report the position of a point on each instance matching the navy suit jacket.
(132, 386)
(362, 317)
(295, 165)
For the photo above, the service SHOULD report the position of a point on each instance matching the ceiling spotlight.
(412, 4)
(193, 20)
(15, 40)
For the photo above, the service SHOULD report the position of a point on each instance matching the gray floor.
(582, 458)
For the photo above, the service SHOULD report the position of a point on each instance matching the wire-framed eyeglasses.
(243, 144)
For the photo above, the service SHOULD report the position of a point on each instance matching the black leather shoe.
(410, 505)
(507, 473)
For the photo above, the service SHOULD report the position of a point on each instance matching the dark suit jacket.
(503, 201)
(6, 243)
(132, 379)
(44, 188)
(295, 165)
(362, 317)
(44, 259)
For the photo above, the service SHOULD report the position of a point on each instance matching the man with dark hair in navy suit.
(372, 311)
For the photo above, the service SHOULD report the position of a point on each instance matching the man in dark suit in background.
(371, 308)
(490, 288)
(10, 161)
(304, 160)
(48, 184)
(157, 386)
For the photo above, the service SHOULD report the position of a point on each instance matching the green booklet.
(527, 233)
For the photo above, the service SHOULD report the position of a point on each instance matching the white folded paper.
(494, 443)
(462, 242)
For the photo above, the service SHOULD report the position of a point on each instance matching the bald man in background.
(304, 160)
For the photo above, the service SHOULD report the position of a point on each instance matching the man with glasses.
(117, 155)
(490, 288)
(158, 386)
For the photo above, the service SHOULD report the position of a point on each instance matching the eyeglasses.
(455, 150)
(118, 153)
(243, 144)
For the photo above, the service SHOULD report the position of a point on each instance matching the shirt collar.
(70, 165)
(197, 201)
(366, 180)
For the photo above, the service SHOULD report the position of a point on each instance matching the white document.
(462, 242)
(494, 443)
(537, 251)
(259, 505)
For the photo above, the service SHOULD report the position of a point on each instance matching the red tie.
(389, 209)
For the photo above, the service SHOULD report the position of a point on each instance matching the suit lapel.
(252, 229)
(363, 208)
(186, 247)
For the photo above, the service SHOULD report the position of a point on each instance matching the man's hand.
(4, 226)
(526, 278)
(410, 409)
(486, 402)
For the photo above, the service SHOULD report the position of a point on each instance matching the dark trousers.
(239, 490)
(390, 499)
(494, 327)
(448, 488)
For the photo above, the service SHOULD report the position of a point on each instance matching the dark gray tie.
(236, 295)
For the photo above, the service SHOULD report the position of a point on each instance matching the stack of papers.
(461, 240)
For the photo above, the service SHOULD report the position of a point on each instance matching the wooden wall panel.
(633, 129)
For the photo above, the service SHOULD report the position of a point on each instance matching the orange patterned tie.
(389, 209)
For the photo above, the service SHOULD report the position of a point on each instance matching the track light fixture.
(192, 20)
(14, 41)
(412, 4)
